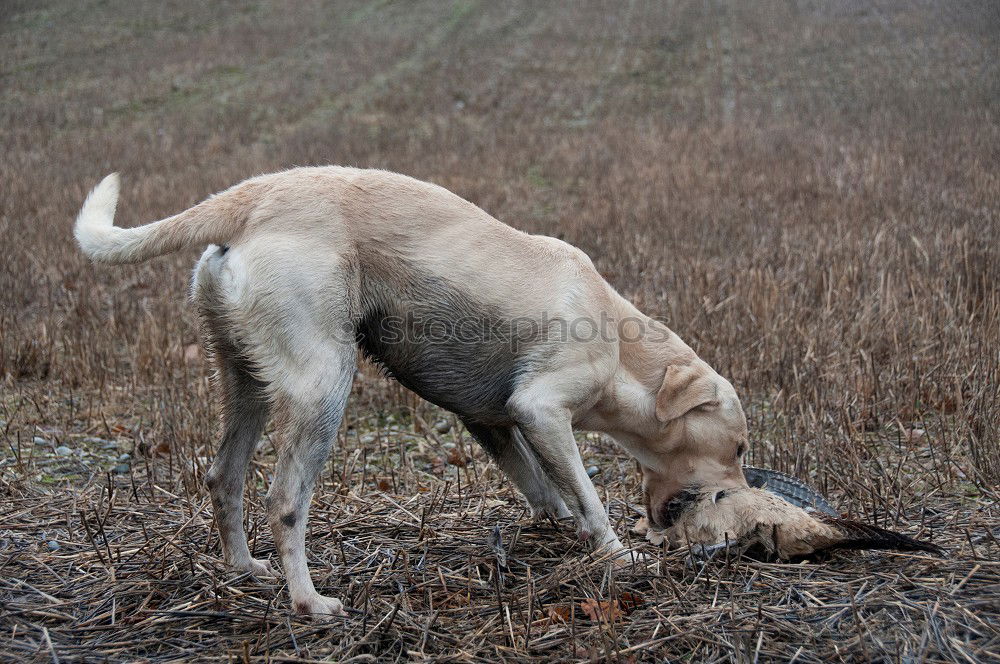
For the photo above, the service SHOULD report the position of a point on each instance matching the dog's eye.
(718, 495)
(741, 450)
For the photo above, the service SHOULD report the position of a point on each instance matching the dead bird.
(786, 520)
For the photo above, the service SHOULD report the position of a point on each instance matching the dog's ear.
(685, 388)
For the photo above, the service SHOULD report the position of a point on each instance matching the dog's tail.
(214, 221)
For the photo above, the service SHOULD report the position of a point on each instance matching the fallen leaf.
(383, 484)
(456, 456)
(601, 610)
(610, 610)
(559, 613)
(630, 602)
(456, 600)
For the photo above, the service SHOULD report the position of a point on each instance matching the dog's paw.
(255, 566)
(319, 606)
(259, 567)
(550, 512)
(631, 559)
(624, 558)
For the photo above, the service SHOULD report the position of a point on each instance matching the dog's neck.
(626, 409)
(647, 347)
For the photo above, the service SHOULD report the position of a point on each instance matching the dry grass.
(807, 191)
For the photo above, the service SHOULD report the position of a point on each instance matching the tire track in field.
(719, 44)
(727, 67)
(354, 99)
(614, 70)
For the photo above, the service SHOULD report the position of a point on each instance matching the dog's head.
(700, 440)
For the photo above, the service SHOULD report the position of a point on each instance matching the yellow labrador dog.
(515, 333)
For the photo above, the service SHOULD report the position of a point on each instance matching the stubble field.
(807, 192)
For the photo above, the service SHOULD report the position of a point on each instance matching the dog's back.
(306, 266)
(439, 293)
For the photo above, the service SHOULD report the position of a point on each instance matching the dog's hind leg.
(510, 451)
(314, 411)
(245, 412)
(291, 308)
(245, 409)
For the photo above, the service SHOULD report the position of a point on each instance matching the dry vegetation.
(807, 191)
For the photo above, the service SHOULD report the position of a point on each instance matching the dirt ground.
(806, 191)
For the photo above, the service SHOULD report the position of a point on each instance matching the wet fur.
(413, 331)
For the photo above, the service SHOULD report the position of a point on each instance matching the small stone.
(124, 457)
(38, 440)
(62, 450)
(442, 426)
(122, 469)
(368, 439)
(592, 471)
(53, 545)
(180, 83)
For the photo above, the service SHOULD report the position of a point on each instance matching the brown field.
(807, 191)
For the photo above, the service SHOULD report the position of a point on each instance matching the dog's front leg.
(548, 429)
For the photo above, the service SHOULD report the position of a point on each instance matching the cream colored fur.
(305, 251)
